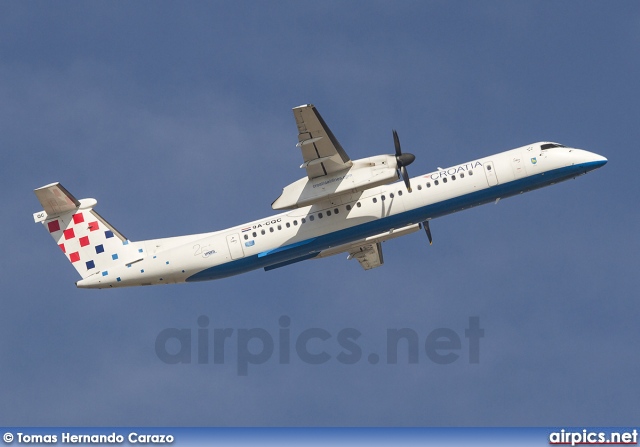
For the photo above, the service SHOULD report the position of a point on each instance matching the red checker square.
(78, 218)
(84, 241)
(74, 257)
(93, 226)
(64, 250)
(54, 225)
(69, 234)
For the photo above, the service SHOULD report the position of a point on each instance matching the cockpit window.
(550, 146)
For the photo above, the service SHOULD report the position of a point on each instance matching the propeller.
(403, 160)
(428, 231)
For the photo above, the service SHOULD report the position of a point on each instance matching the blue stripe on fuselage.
(309, 247)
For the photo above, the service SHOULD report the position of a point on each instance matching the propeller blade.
(396, 142)
(427, 228)
(402, 160)
(405, 177)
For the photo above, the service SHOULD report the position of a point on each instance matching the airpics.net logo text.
(250, 347)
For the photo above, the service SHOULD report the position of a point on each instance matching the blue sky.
(177, 118)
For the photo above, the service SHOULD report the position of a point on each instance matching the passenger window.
(453, 177)
(311, 217)
(246, 236)
(391, 195)
(328, 213)
(336, 211)
(319, 215)
(303, 220)
(348, 207)
(428, 185)
(295, 223)
(262, 232)
(489, 168)
(358, 205)
(288, 225)
(271, 229)
(254, 234)
(400, 192)
(470, 172)
(383, 197)
(462, 175)
(280, 227)
(375, 200)
(444, 180)
(435, 182)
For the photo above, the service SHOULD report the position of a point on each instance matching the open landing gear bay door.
(369, 256)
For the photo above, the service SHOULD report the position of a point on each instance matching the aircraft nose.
(592, 160)
(598, 160)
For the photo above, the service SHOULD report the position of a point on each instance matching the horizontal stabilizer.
(55, 199)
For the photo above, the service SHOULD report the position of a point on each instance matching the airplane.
(340, 206)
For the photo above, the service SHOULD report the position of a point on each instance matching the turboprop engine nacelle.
(363, 174)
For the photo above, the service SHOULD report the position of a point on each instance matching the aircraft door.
(235, 246)
(490, 172)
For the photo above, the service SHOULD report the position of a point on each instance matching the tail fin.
(90, 243)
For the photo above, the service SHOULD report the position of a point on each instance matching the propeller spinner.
(403, 160)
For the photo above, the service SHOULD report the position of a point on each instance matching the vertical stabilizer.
(89, 242)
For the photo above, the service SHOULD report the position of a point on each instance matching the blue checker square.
(118, 279)
(125, 242)
(108, 234)
(105, 273)
(114, 256)
(99, 249)
(90, 265)
(139, 250)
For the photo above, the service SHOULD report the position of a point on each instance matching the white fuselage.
(307, 232)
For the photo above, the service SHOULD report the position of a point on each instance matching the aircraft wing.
(369, 256)
(321, 151)
(368, 251)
